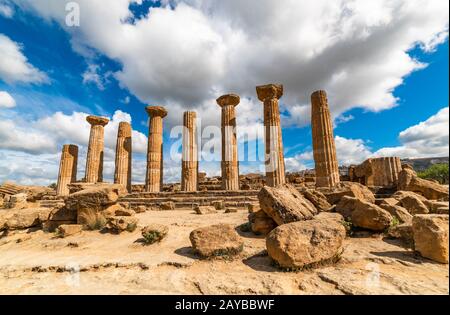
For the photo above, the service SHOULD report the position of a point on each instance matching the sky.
(384, 65)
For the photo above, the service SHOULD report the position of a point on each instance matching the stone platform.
(183, 200)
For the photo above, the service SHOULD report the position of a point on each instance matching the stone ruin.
(379, 195)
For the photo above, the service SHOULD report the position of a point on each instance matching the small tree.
(437, 172)
(53, 186)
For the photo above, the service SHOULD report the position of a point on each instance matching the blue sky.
(385, 69)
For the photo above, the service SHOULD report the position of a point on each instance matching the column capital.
(70, 148)
(156, 111)
(97, 120)
(228, 99)
(269, 91)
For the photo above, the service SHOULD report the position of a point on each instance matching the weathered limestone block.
(403, 232)
(275, 166)
(18, 201)
(370, 216)
(305, 243)
(154, 176)
(67, 169)
(284, 204)
(261, 223)
(317, 199)
(409, 181)
(94, 161)
(414, 205)
(121, 224)
(327, 168)
(398, 212)
(189, 169)
(350, 189)
(205, 210)
(167, 206)
(437, 207)
(66, 230)
(381, 172)
(20, 219)
(216, 240)
(230, 162)
(431, 236)
(154, 233)
(122, 173)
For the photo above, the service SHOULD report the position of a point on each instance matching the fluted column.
(94, 161)
(275, 168)
(230, 163)
(154, 176)
(327, 168)
(122, 173)
(67, 169)
(189, 168)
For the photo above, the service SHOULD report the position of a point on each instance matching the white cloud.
(14, 66)
(6, 10)
(429, 138)
(187, 54)
(6, 100)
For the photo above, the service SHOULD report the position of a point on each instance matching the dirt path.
(95, 263)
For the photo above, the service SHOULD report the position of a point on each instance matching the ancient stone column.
(154, 176)
(94, 161)
(275, 168)
(230, 163)
(189, 168)
(122, 173)
(327, 168)
(67, 169)
(385, 171)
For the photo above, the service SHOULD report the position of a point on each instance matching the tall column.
(94, 161)
(122, 173)
(327, 168)
(154, 176)
(189, 168)
(230, 164)
(275, 168)
(67, 169)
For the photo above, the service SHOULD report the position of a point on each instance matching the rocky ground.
(35, 262)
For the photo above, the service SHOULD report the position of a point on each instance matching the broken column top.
(96, 120)
(70, 148)
(320, 97)
(229, 99)
(269, 91)
(192, 114)
(124, 129)
(156, 111)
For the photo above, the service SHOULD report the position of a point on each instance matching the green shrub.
(437, 172)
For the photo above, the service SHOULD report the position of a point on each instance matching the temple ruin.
(67, 169)
(94, 160)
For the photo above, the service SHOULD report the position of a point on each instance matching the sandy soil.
(34, 262)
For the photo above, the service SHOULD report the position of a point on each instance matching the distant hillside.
(422, 164)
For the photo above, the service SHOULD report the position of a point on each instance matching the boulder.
(219, 205)
(205, 210)
(121, 224)
(95, 198)
(403, 232)
(409, 181)
(253, 207)
(346, 206)
(261, 223)
(20, 219)
(349, 189)
(154, 233)
(18, 201)
(124, 212)
(398, 212)
(166, 206)
(231, 210)
(336, 217)
(66, 230)
(216, 240)
(301, 244)
(370, 216)
(399, 195)
(437, 207)
(317, 199)
(285, 204)
(414, 205)
(140, 209)
(431, 236)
